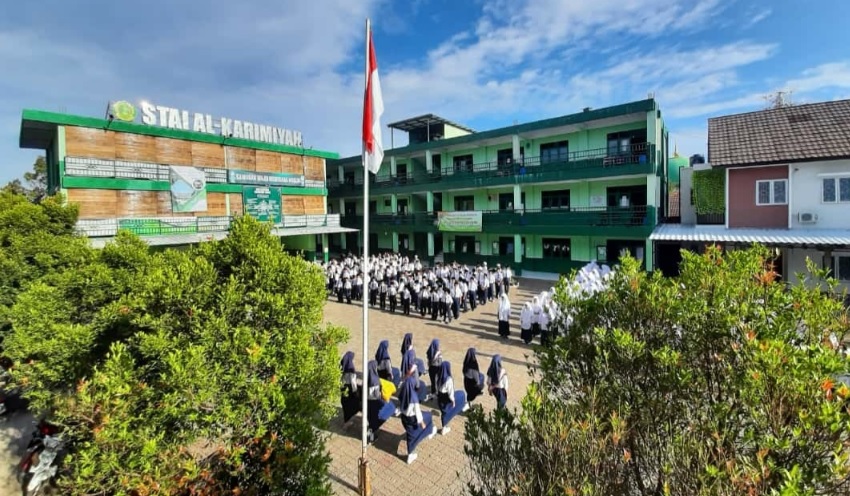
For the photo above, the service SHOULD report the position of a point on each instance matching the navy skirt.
(504, 328)
(350, 403)
(379, 412)
(472, 387)
(501, 397)
(447, 411)
(526, 334)
(414, 432)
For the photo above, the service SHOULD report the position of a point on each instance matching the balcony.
(161, 226)
(586, 164)
(635, 221)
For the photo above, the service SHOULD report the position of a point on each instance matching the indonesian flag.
(373, 107)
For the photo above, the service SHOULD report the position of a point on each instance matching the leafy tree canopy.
(200, 371)
(723, 381)
(36, 182)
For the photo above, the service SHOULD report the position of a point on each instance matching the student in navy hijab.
(350, 392)
(409, 368)
(451, 402)
(473, 379)
(385, 364)
(378, 410)
(418, 425)
(407, 344)
(435, 358)
(497, 380)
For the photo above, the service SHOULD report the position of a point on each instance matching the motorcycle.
(41, 461)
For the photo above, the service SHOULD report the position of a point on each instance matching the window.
(506, 201)
(556, 199)
(842, 267)
(464, 203)
(622, 142)
(463, 162)
(556, 248)
(554, 152)
(504, 157)
(772, 192)
(836, 189)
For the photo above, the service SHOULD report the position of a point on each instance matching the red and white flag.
(373, 108)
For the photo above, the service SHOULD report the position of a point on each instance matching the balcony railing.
(160, 226)
(506, 221)
(535, 168)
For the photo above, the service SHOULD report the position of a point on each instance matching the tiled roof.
(799, 133)
(746, 236)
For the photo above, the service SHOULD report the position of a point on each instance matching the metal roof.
(185, 239)
(423, 121)
(746, 236)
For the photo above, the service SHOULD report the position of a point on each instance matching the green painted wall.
(306, 242)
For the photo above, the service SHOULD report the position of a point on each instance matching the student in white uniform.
(497, 381)
(504, 316)
(451, 402)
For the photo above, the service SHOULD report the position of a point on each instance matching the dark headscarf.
(407, 393)
(495, 370)
(374, 380)
(433, 349)
(406, 343)
(445, 373)
(347, 363)
(470, 361)
(383, 352)
(408, 361)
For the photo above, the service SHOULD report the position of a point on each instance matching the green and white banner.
(467, 221)
(235, 176)
(188, 189)
(262, 203)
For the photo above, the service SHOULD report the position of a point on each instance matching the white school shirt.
(414, 410)
(350, 379)
(449, 388)
(448, 298)
(503, 381)
(458, 293)
(505, 313)
(375, 393)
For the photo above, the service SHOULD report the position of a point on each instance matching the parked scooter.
(40, 463)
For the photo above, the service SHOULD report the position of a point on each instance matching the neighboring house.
(175, 186)
(787, 177)
(543, 197)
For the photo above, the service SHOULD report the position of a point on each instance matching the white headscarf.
(504, 307)
(526, 316)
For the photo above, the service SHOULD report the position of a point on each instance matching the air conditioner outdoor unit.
(807, 217)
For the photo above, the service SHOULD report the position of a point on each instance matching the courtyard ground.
(441, 468)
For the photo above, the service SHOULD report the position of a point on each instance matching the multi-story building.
(177, 178)
(779, 177)
(542, 197)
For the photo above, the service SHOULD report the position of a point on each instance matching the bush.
(719, 382)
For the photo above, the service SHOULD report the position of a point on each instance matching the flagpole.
(365, 482)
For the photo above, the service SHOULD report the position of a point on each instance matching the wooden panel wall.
(314, 205)
(95, 203)
(235, 204)
(207, 154)
(90, 143)
(216, 204)
(292, 205)
(133, 147)
(315, 168)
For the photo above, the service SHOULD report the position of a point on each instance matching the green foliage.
(201, 371)
(718, 382)
(36, 180)
(710, 191)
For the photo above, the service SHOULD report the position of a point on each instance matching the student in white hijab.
(504, 316)
(545, 337)
(525, 323)
(537, 311)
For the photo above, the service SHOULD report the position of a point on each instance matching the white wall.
(806, 194)
(795, 263)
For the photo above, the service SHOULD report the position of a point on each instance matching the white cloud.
(758, 17)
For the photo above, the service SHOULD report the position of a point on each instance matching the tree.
(722, 381)
(202, 371)
(36, 187)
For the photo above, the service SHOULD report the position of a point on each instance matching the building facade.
(542, 197)
(784, 177)
(175, 186)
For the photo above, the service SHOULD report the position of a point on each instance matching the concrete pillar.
(517, 249)
(325, 250)
(394, 203)
(341, 174)
(341, 206)
(429, 201)
(515, 143)
(342, 238)
(395, 241)
(429, 161)
(392, 166)
(430, 244)
(518, 197)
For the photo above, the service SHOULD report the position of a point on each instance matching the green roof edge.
(134, 128)
(646, 105)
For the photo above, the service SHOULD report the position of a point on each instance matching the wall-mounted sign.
(172, 118)
(188, 189)
(262, 203)
(236, 176)
(463, 221)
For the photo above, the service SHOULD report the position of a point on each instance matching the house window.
(555, 199)
(554, 152)
(556, 248)
(772, 192)
(623, 142)
(842, 267)
(464, 203)
(505, 156)
(463, 162)
(835, 189)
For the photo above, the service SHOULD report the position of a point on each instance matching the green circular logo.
(124, 111)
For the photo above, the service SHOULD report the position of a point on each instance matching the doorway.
(465, 244)
(506, 245)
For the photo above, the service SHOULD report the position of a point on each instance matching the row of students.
(535, 319)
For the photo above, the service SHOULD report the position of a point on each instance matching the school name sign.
(173, 118)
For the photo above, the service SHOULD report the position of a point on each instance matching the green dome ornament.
(675, 163)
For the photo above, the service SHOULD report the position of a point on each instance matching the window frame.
(771, 192)
(559, 241)
(560, 194)
(835, 266)
(837, 183)
(555, 152)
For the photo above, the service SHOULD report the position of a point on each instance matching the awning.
(187, 239)
(747, 236)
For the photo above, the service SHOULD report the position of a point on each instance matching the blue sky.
(485, 63)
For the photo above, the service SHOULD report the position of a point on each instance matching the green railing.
(551, 265)
(600, 162)
(474, 259)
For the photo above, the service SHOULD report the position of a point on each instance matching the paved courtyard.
(441, 468)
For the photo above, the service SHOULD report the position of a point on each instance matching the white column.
(429, 161)
(392, 166)
(429, 201)
(515, 143)
(430, 244)
(518, 197)
(341, 174)
(342, 206)
(517, 249)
